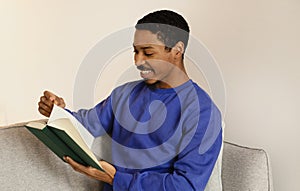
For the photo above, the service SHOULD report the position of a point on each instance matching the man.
(158, 125)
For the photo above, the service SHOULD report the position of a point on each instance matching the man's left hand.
(107, 176)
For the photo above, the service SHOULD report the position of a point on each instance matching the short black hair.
(169, 26)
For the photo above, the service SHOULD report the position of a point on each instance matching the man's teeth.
(146, 71)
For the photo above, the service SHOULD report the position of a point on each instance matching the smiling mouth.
(146, 71)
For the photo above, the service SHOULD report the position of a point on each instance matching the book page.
(36, 125)
(58, 113)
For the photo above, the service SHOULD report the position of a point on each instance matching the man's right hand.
(47, 101)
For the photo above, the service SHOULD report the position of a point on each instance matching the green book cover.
(65, 136)
(83, 157)
(51, 140)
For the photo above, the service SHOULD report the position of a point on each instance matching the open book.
(66, 136)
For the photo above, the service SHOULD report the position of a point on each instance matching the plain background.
(256, 44)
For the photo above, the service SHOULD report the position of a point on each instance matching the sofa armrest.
(245, 168)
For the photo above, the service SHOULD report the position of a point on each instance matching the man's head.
(170, 27)
(159, 44)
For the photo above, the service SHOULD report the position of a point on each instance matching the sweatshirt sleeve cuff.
(122, 181)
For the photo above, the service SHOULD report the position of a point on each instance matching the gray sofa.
(26, 164)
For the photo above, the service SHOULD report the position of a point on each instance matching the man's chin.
(150, 81)
(157, 83)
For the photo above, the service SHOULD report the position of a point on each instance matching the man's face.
(152, 59)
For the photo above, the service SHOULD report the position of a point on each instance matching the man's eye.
(148, 54)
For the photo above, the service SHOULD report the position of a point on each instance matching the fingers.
(45, 106)
(89, 171)
(59, 102)
(55, 99)
(46, 103)
(108, 168)
(44, 112)
(76, 166)
(49, 95)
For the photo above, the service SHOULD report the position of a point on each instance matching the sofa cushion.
(27, 164)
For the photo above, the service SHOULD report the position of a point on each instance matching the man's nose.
(140, 63)
(139, 60)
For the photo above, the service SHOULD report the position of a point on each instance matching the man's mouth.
(146, 71)
(147, 74)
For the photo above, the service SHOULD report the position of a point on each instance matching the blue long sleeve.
(191, 172)
(89, 118)
(178, 155)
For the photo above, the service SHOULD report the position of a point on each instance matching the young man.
(158, 125)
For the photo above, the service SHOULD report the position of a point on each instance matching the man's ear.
(178, 49)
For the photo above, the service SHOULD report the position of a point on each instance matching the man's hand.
(107, 176)
(47, 101)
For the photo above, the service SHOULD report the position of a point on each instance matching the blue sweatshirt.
(162, 139)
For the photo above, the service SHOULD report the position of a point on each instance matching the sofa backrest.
(245, 168)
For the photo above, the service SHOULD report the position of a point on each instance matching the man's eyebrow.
(144, 48)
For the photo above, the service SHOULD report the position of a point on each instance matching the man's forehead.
(146, 38)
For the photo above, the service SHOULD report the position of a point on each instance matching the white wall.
(256, 44)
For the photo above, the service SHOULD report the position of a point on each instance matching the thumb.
(55, 101)
(108, 168)
(60, 102)
(49, 95)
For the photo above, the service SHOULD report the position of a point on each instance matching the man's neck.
(179, 77)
